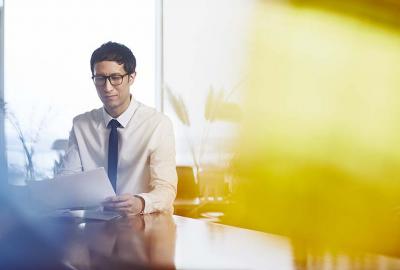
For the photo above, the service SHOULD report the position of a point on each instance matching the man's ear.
(132, 78)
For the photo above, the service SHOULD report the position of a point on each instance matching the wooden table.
(159, 241)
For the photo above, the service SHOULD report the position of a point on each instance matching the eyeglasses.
(113, 79)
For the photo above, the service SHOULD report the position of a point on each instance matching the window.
(47, 47)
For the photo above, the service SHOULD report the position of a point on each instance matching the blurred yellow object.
(320, 142)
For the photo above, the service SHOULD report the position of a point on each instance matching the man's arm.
(163, 177)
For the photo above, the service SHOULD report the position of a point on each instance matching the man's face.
(115, 98)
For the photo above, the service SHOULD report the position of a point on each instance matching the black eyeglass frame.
(109, 79)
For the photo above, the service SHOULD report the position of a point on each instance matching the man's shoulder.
(93, 116)
(150, 114)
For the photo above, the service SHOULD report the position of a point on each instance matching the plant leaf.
(178, 105)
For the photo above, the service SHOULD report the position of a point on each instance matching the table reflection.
(308, 257)
(162, 241)
(144, 240)
(134, 242)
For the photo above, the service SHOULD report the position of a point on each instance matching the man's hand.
(125, 204)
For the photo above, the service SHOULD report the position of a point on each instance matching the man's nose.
(108, 86)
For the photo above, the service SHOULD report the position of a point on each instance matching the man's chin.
(110, 105)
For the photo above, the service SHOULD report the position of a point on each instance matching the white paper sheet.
(80, 190)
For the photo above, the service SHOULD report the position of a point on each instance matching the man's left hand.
(125, 204)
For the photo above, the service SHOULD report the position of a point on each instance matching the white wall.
(205, 45)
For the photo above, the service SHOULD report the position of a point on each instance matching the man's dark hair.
(113, 51)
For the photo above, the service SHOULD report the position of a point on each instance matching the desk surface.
(161, 241)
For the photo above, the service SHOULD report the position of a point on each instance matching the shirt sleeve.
(71, 162)
(163, 177)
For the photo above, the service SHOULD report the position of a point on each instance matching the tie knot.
(114, 124)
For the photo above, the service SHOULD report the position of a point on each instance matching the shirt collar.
(124, 118)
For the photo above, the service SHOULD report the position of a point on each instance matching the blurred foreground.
(319, 151)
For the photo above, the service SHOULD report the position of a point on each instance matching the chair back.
(187, 186)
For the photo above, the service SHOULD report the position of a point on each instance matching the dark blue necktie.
(113, 152)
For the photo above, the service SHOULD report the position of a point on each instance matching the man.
(135, 143)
